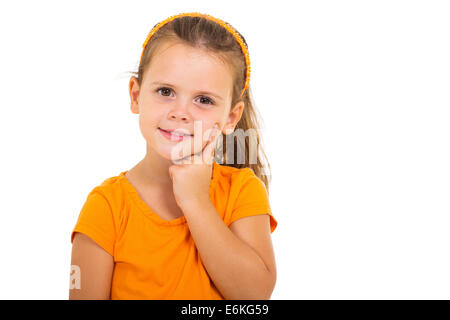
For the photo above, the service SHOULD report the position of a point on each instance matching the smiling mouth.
(173, 136)
(176, 133)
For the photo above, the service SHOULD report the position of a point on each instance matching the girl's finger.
(208, 151)
(204, 156)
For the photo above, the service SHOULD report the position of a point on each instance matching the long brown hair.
(209, 35)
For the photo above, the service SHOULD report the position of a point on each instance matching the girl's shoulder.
(112, 189)
(232, 177)
(229, 173)
(244, 193)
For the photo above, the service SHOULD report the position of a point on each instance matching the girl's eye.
(166, 92)
(163, 90)
(208, 101)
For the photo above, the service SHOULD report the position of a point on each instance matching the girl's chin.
(169, 153)
(172, 150)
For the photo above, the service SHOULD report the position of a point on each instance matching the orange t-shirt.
(156, 259)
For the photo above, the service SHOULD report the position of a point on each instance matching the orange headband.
(222, 23)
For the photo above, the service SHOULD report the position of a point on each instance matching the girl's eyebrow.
(201, 92)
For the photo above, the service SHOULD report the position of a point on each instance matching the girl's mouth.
(173, 136)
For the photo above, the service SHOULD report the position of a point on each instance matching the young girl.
(179, 225)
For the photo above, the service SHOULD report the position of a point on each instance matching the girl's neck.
(154, 170)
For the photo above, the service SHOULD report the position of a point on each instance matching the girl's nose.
(180, 111)
(181, 117)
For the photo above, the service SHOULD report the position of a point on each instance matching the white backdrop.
(356, 106)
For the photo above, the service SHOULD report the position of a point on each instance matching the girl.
(179, 225)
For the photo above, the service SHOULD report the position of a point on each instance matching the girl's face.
(184, 89)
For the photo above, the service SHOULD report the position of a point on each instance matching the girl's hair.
(206, 34)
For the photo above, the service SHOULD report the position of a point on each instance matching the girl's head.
(192, 74)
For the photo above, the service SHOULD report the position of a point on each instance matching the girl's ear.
(134, 94)
(233, 117)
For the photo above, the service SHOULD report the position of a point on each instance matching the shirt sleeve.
(96, 221)
(252, 199)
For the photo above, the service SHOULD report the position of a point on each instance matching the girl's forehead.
(182, 64)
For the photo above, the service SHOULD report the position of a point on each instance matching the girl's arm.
(240, 259)
(96, 268)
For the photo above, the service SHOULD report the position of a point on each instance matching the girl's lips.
(172, 137)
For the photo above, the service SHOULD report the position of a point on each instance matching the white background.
(355, 99)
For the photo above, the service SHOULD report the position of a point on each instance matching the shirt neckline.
(145, 209)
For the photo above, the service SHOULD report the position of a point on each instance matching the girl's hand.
(191, 176)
